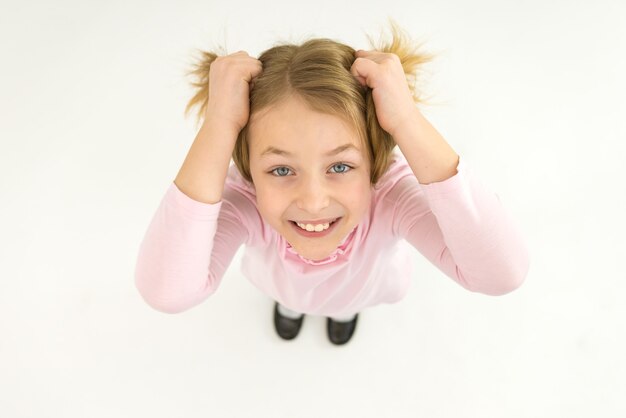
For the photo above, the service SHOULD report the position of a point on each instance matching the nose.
(313, 196)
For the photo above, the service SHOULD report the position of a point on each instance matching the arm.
(430, 157)
(227, 103)
(463, 229)
(186, 250)
(197, 228)
(195, 231)
(449, 216)
(202, 175)
(452, 219)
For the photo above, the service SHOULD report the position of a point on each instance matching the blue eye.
(345, 170)
(339, 168)
(278, 168)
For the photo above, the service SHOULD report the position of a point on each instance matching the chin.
(318, 254)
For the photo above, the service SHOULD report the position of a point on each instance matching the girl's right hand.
(231, 78)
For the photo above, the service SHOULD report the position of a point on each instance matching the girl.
(318, 194)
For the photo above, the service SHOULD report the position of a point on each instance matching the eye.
(345, 169)
(279, 170)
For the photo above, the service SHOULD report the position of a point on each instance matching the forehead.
(293, 124)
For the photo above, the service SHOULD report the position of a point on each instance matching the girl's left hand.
(383, 73)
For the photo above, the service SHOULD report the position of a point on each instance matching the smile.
(314, 231)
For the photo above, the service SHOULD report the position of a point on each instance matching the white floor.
(92, 133)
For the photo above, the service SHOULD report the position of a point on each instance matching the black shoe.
(287, 328)
(340, 332)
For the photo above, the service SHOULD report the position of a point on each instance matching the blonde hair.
(318, 71)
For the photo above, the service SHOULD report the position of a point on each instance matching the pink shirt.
(457, 224)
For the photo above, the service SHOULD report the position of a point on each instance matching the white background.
(92, 133)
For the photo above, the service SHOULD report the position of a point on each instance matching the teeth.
(316, 228)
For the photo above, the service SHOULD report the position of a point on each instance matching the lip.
(319, 221)
(314, 234)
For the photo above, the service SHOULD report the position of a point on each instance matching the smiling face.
(308, 167)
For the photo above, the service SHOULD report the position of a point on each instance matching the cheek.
(270, 201)
(356, 195)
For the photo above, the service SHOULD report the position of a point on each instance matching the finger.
(364, 70)
(369, 54)
(258, 69)
(256, 72)
(361, 81)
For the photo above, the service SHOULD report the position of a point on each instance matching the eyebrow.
(339, 149)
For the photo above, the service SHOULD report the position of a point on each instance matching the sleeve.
(186, 249)
(463, 229)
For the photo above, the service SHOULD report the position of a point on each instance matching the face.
(308, 168)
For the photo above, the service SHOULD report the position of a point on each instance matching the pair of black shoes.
(338, 332)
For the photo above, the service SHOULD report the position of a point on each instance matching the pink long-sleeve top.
(457, 224)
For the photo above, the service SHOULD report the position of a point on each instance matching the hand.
(383, 73)
(231, 78)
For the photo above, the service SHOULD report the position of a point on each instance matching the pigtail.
(411, 57)
(200, 83)
(381, 142)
